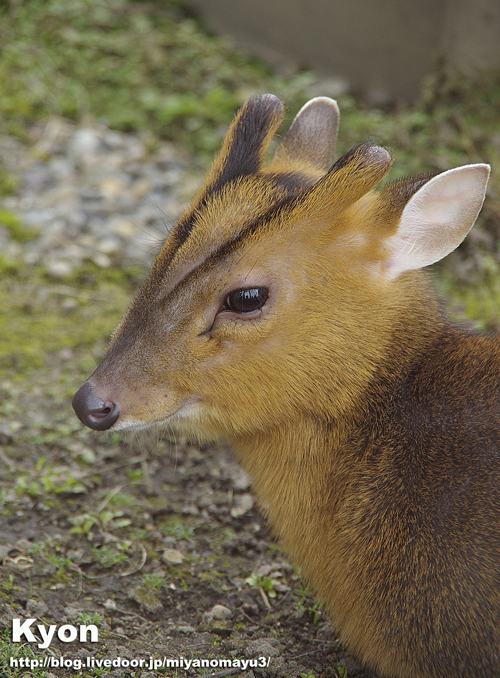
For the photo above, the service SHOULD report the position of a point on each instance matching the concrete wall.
(379, 47)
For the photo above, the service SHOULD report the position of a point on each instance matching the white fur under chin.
(186, 421)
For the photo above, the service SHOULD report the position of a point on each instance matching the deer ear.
(248, 137)
(437, 218)
(312, 137)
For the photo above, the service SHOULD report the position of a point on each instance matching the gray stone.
(98, 195)
(220, 612)
(36, 607)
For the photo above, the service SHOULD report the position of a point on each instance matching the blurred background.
(110, 114)
(380, 50)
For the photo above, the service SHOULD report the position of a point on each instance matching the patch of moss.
(15, 228)
(7, 267)
(8, 182)
(90, 276)
(36, 326)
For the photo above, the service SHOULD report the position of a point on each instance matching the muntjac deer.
(287, 313)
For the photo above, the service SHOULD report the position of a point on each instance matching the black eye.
(245, 301)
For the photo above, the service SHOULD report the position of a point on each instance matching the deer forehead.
(220, 220)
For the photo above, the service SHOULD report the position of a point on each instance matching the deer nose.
(92, 411)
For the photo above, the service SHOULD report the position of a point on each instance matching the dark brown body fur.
(422, 510)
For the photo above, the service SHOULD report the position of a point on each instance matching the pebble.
(146, 597)
(92, 194)
(187, 629)
(261, 648)
(350, 665)
(4, 551)
(72, 612)
(172, 556)
(242, 504)
(36, 607)
(220, 612)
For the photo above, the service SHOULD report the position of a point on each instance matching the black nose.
(92, 411)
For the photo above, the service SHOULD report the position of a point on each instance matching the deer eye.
(246, 300)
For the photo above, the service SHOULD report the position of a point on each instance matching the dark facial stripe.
(295, 184)
(241, 155)
(286, 204)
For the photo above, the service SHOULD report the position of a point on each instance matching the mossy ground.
(80, 511)
(41, 317)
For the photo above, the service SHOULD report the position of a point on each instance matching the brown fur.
(369, 424)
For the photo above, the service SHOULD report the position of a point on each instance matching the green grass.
(135, 65)
(36, 328)
(15, 227)
(16, 651)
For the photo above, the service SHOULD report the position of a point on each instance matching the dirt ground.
(156, 542)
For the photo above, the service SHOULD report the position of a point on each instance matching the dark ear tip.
(367, 155)
(269, 102)
(378, 155)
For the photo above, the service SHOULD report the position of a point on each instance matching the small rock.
(59, 268)
(263, 570)
(122, 227)
(101, 260)
(24, 545)
(159, 572)
(352, 666)
(220, 612)
(326, 632)
(243, 504)
(250, 609)
(147, 598)
(66, 354)
(261, 648)
(85, 145)
(37, 178)
(36, 607)
(110, 245)
(172, 557)
(71, 612)
(76, 555)
(240, 479)
(141, 188)
(4, 551)
(112, 187)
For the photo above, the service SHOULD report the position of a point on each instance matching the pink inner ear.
(437, 218)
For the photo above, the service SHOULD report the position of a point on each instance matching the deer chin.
(187, 420)
(183, 416)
